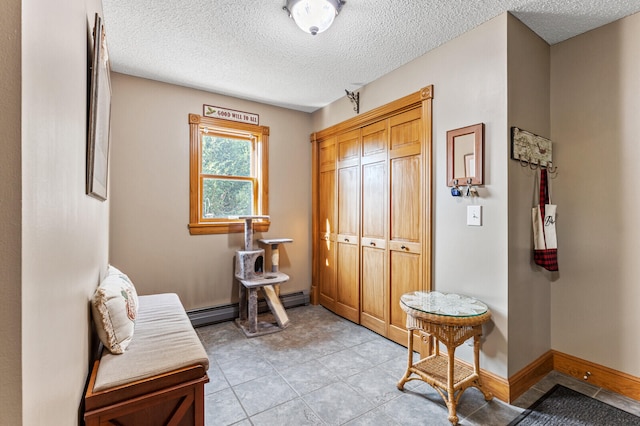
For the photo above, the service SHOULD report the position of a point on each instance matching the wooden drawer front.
(377, 243)
(326, 236)
(350, 239)
(405, 246)
(179, 405)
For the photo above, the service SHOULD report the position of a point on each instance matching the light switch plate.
(474, 215)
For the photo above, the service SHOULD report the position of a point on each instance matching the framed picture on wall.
(99, 114)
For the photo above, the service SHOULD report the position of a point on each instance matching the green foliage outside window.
(225, 161)
(225, 156)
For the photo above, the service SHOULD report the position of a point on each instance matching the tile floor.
(325, 370)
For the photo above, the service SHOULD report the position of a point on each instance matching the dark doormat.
(563, 406)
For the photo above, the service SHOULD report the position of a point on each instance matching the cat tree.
(249, 271)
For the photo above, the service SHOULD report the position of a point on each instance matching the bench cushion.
(164, 341)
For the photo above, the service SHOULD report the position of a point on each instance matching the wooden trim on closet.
(398, 106)
(314, 296)
(427, 164)
(411, 118)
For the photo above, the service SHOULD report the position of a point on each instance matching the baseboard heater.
(215, 314)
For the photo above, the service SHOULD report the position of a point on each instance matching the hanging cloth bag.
(543, 216)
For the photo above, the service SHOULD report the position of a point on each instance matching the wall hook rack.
(469, 190)
(354, 97)
(532, 150)
(551, 169)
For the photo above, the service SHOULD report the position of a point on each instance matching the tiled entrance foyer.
(325, 370)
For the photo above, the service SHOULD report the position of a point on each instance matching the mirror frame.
(478, 131)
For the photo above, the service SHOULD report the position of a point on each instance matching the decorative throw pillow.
(115, 307)
(126, 281)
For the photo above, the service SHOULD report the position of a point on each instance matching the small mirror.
(465, 155)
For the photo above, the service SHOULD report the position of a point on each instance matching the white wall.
(469, 75)
(64, 232)
(150, 194)
(10, 210)
(595, 106)
(529, 285)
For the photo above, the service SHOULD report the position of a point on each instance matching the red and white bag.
(543, 216)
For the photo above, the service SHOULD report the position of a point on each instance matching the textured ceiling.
(251, 49)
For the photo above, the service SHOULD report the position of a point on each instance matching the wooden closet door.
(374, 309)
(347, 241)
(406, 214)
(326, 243)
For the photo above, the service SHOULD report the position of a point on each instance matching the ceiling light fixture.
(313, 16)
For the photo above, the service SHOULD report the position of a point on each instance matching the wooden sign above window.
(230, 114)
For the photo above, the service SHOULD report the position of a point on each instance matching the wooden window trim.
(199, 226)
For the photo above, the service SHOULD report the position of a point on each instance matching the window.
(228, 175)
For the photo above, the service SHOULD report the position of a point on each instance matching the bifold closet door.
(372, 213)
(406, 214)
(326, 245)
(347, 241)
(374, 277)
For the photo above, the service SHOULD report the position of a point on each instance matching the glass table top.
(447, 304)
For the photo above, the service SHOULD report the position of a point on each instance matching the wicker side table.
(450, 319)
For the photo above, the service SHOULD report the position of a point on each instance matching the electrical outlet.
(474, 215)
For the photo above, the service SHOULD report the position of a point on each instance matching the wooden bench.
(159, 379)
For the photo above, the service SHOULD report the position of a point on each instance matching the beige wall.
(529, 285)
(469, 78)
(584, 94)
(595, 110)
(64, 232)
(150, 194)
(10, 210)
(55, 239)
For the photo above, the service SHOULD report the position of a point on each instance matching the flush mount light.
(313, 16)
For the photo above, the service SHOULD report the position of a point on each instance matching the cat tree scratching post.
(249, 271)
